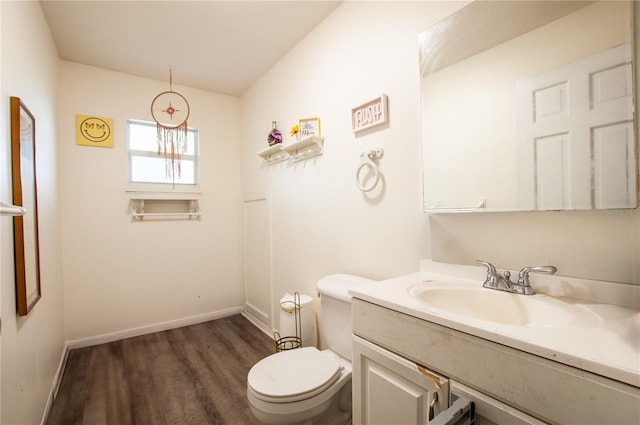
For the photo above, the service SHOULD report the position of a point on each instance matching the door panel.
(257, 257)
(613, 184)
(551, 188)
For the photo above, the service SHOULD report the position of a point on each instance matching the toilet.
(307, 386)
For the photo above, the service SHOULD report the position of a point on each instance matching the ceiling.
(219, 46)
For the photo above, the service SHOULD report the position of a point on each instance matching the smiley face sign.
(94, 131)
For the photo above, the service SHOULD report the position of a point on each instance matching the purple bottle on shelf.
(275, 136)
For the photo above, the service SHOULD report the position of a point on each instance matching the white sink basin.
(489, 305)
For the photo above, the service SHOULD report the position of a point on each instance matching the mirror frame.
(25, 228)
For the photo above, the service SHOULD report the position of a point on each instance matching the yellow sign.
(94, 131)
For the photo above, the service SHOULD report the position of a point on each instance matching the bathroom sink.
(576, 322)
(488, 305)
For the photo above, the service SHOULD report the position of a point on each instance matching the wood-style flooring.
(194, 375)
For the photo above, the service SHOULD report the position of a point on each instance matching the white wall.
(322, 224)
(121, 275)
(32, 346)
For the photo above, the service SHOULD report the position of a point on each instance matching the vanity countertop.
(609, 347)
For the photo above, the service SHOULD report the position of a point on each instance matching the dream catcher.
(170, 110)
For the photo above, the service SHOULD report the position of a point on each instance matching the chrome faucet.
(494, 278)
(522, 286)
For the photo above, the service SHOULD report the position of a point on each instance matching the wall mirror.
(528, 105)
(25, 227)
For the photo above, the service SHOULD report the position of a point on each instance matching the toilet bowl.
(307, 386)
(303, 386)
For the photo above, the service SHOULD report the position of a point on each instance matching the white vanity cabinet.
(401, 360)
(392, 390)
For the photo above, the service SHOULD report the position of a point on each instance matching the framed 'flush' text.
(370, 114)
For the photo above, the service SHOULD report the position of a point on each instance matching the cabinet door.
(388, 389)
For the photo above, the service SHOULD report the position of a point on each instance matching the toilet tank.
(335, 308)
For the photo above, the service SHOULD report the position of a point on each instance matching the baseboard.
(57, 380)
(258, 323)
(157, 327)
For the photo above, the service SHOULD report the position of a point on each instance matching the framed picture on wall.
(370, 114)
(25, 227)
(309, 127)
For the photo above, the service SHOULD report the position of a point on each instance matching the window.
(146, 166)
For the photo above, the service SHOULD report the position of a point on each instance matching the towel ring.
(376, 176)
(368, 160)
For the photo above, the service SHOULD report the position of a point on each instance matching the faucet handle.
(524, 273)
(490, 267)
(491, 280)
(523, 277)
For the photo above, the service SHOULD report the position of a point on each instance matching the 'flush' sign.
(369, 114)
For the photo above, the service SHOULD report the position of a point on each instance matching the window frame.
(131, 153)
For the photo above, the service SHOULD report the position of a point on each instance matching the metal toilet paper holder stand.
(290, 342)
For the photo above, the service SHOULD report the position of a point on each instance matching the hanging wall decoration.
(170, 110)
(370, 114)
(94, 131)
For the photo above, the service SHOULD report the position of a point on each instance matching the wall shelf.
(302, 149)
(164, 205)
(273, 154)
(162, 195)
(305, 148)
(166, 209)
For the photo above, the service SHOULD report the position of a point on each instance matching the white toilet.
(308, 386)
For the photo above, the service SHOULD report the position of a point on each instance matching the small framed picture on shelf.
(309, 127)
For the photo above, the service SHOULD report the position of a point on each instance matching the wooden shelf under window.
(164, 205)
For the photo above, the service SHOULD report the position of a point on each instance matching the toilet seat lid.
(293, 375)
